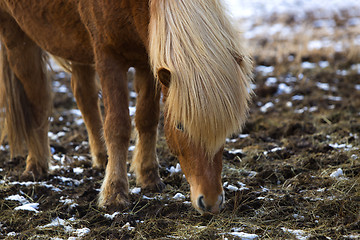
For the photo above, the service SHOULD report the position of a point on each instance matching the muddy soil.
(293, 173)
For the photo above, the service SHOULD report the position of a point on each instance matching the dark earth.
(293, 173)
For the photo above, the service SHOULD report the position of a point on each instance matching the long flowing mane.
(210, 71)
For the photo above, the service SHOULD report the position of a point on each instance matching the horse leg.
(28, 97)
(85, 89)
(144, 163)
(117, 129)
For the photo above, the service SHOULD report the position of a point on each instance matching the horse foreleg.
(145, 163)
(117, 129)
(85, 89)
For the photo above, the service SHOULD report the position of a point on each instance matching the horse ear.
(164, 76)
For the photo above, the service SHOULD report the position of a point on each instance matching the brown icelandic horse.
(190, 46)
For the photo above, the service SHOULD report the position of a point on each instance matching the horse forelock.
(210, 71)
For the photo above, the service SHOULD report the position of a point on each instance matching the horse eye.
(180, 127)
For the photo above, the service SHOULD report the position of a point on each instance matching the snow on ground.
(262, 8)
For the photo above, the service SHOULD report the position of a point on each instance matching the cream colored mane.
(210, 71)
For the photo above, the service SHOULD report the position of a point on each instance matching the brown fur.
(109, 37)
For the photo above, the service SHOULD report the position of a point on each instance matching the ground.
(293, 172)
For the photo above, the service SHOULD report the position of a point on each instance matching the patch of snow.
(12, 234)
(265, 70)
(235, 151)
(82, 232)
(112, 216)
(297, 98)
(305, 109)
(266, 107)
(69, 181)
(270, 81)
(179, 197)
(334, 98)
(324, 64)
(337, 174)
(323, 86)
(132, 111)
(78, 170)
(35, 183)
(298, 217)
(244, 236)
(128, 226)
(308, 65)
(131, 148)
(300, 234)
(173, 169)
(28, 207)
(243, 135)
(273, 150)
(284, 89)
(135, 190)
(18, 198)
(58, 222)
(346, 147)
(133, 94)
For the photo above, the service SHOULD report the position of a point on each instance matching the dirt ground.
(293, 173)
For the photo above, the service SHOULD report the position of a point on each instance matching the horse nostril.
(201, 203)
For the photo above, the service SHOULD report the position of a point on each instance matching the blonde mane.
(210, 71)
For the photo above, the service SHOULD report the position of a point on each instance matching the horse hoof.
(114, 203)
(31, 175)
(158, 187)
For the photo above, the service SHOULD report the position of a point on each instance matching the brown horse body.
(106, 37)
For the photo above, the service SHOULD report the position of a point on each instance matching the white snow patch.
(323, 86)
(244, 236)
(128, 226)
(284, 89)
(179, 197)
(235, 151)
(346, 147)
(78, 170)
(18, 198)
(266, 107)
(308, 65)
(132, 111)
(135, 190)
(300, 234)
(334, 98)
(324, 64)
(82, 232)
(173, 169)
(28, 207)
(264, 69)
(273, 150)
(12, 234)
(297, 98)
(69, 181)
(270, 81)
(112, 216)
(337, 174)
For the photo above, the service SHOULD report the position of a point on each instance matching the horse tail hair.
(210, 70)
(17, 123)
